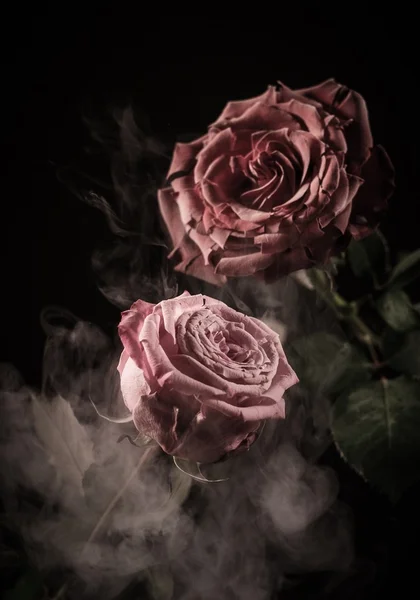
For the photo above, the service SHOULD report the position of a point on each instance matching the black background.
(64, 62)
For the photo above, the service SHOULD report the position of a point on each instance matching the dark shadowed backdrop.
(64, 65)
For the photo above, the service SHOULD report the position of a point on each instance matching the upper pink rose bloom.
(279, 183)
(199, 377)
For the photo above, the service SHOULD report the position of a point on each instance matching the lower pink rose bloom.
(200, 377)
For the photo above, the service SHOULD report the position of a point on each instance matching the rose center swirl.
(223, 346)
(270, 179)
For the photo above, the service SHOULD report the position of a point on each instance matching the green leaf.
(406, 271)
(327, 363)
(407, 358)
(369, 256)
(376, 428)
(397, 311)
(391, 342)
(28, 587)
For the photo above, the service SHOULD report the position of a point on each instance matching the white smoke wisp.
(75, 466)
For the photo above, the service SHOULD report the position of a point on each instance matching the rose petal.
(183, 159)
(213, 435)
(220, 236)
(371, 199)
(129, 329)
(192, 261)
(308, 114)
(249, 264)
(133, 384)
(220, 145)
(274, 242)
(267, 408)
(189, 202)
(164, 370)
(157, 419)
(347, 104)
(193, 264)
(173, 308)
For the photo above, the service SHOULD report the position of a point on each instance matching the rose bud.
(199, 377)
(279, 183)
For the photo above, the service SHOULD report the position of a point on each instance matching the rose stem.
(148, 453)
(347, 311)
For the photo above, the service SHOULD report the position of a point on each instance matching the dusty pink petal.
(248, 214)
(274, 242)
(220, 145)
(274, 140)
(225, 218)
(215, 199)
(212, 435)
(133, 384)
(204, 376)
(293, 204)
(358, 133)
(163, 368)
(129, 330)
(204, 243)
(122, 361)
(342, 210)
(371, 200)
(207, 222)
(334, 134)
(158, 420)
(192, 261)
(220, 236)
(174, 308)
(284, 379)
(310, 149)
(255, 327)
(339, 200)
(347, 104)
(220, 174)
(184, 156)
(236, 266)
(189, 203)
(331, 176)
(308, 114)
(193, 264)
(266, 408)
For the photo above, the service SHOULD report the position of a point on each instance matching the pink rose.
(279, 183)
(199, 377)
